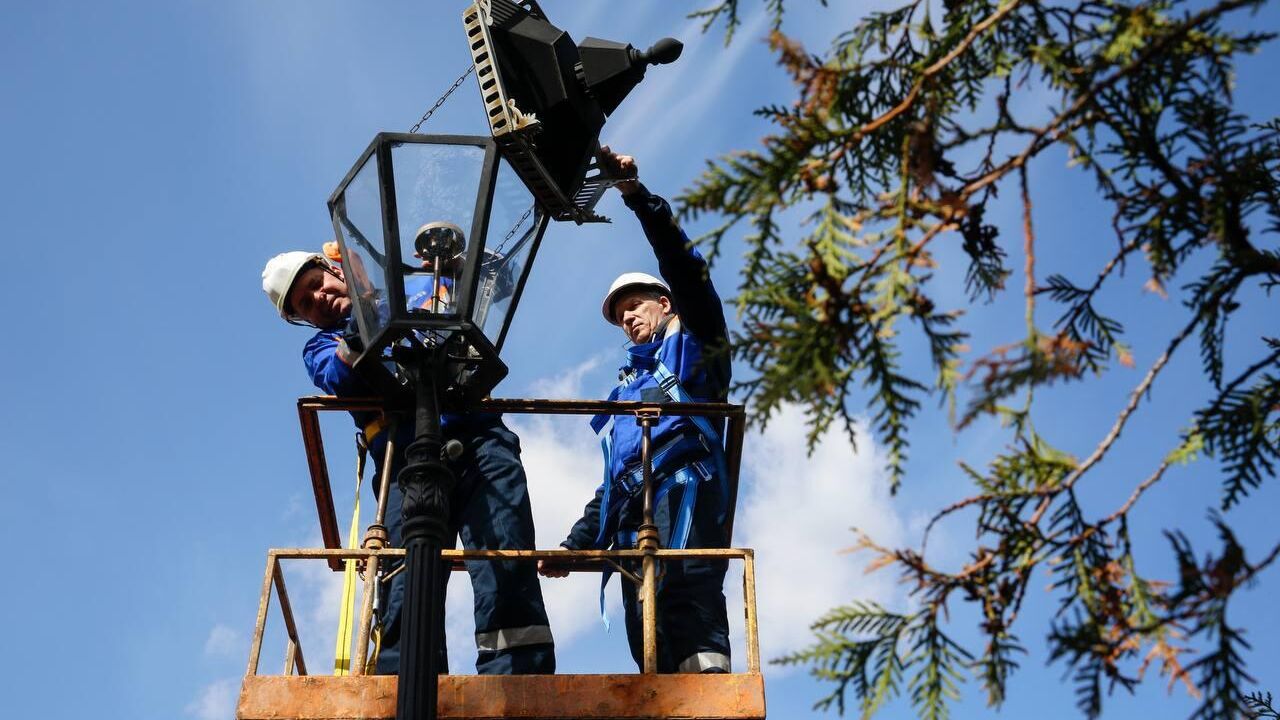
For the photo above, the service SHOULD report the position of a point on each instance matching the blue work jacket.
(692, 346)
(330, 374)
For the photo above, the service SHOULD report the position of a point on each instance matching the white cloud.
(796, 511)
(567, 384)
(216, 701)
(224, 641)
(562, 458)
(295, 507)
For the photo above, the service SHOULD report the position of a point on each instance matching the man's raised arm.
(679, 263)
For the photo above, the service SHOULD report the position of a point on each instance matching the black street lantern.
(437, 235)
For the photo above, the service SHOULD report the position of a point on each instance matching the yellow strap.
(346, 618)
(374, 427)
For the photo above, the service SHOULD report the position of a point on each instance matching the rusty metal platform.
(489, 697)
(297, 695)
(310, 407)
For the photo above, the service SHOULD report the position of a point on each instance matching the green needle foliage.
(898, 140)
(1260, 706)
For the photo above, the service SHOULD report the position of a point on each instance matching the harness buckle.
(701, 470)
(627, 486)
(668, 383)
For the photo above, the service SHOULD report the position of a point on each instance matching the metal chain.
(431, 111)
(456, 84)
(511, 233)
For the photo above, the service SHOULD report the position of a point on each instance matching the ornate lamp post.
(438, 234)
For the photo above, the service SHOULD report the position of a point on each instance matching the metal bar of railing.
(733, 462)
(566, 557)
(313, 441)
(648, 547)
(647, 541)
(614, 407)
(264, 602)
(287, 611)
(749, 611)
(309, 406)
(274, 579)
(372, 565)
(527, 406)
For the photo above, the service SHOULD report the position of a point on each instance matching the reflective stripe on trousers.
(703, 661)
(504, 638)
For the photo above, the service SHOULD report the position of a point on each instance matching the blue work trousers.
(490, 511)
(693, 628)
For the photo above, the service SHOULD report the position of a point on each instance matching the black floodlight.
(546, 98)
(437, 234)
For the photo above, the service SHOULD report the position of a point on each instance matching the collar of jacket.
(644, 356)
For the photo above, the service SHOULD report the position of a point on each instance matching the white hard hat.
(627, 282)
(281, 271)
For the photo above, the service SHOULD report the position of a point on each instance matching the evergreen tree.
(899, 138)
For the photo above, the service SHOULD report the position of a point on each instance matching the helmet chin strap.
(334, 271)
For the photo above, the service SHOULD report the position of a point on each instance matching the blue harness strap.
(606, 447)
(670, 385)
(599, 421)
(688, 476)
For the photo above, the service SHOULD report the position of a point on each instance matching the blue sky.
(156, 154)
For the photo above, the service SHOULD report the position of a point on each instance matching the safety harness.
(667, 467)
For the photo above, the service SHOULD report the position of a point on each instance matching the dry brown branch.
(934, 69)
(1029, 248)
(1066, 121)
(1134, 398)
(1047, 494)
(1142, 487)
(1120, 512)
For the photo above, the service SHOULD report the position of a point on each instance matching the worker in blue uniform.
(490, 504)
(678, 353)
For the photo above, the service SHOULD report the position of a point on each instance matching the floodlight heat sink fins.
(504, 117)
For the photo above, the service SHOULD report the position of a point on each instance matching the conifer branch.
(874, 140)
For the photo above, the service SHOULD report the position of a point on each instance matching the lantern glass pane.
(513, 223)
(436, 188)
(359, 214)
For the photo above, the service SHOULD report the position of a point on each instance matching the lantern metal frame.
(487, 366)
